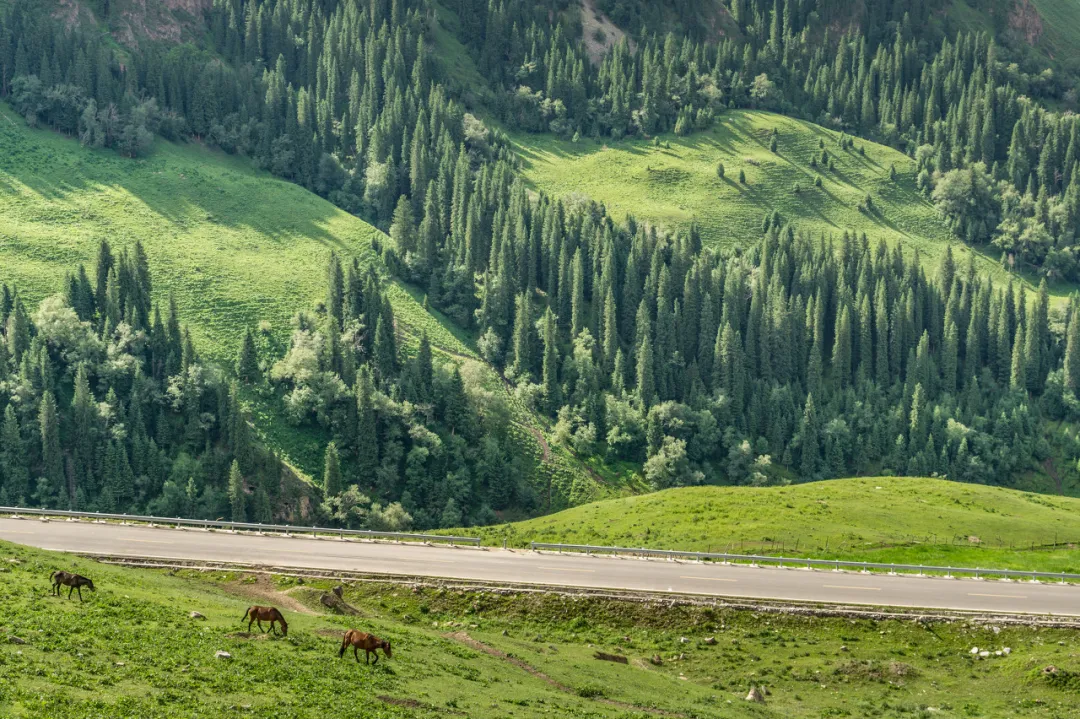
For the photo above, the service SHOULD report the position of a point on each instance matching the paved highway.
(575, 570)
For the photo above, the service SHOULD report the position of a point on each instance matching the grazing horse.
(258, 615)
(368, 642)
(75, 582)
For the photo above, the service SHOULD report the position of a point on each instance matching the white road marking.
(1002, 596)
(839, 586)
(711, 579)
(566, 569)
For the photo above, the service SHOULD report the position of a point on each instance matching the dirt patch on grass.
(263, 589)
(468, 641)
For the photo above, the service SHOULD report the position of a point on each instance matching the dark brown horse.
(258, 615)
(368, 642)
(75, 582)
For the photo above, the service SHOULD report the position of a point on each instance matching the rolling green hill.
(132, 649)
(676, 186)
(881, 518)
(234, 246)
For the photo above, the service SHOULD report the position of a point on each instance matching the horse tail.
(344, 644)
(246, 613)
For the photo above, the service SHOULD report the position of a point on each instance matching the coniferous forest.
(795, 358)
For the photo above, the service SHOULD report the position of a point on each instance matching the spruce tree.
(247, 364)
(52, 461)
(367, 447)
(237, 495)
(331, 471)
(550, 380)
(809, 441)
(13, 460)
(1072, 351)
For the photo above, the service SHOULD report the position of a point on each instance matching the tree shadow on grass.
(178, 184)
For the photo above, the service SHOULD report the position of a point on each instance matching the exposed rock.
(197, 615)
(339, 591)
(18, 640)
(222, 655)
(710, 641)
(683, 640)
(755, 695)
(656, 660)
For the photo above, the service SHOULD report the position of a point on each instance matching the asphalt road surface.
(573, 570)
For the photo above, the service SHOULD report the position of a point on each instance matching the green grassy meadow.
(131, 649)
(677, 186)
(880, 519)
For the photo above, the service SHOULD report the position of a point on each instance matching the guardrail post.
(948, 574)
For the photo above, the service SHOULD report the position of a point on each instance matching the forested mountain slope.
(802, 355)
(241, 253)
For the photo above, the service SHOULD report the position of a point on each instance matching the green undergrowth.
(132, 649)
(879, 519)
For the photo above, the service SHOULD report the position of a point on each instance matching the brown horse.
(258, 615)
(368, 642)
(75, 582)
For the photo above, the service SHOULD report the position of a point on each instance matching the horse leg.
(367, 656)
(259, 622)
(70, 590)
(272, 627)
(376, 653)
(356, 653)
(79, 590)
(249, 625)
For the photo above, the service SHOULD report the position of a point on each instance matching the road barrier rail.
(18, 512)
(795, 562)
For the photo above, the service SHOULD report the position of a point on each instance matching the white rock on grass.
(222, 655)
(974, 650)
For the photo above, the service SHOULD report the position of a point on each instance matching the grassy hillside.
(131, 649)
(678, 185)
(1060, 21)
(234, 246)
(892, 519)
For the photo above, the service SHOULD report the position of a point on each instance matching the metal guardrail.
(833, 564)
(248, 526)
